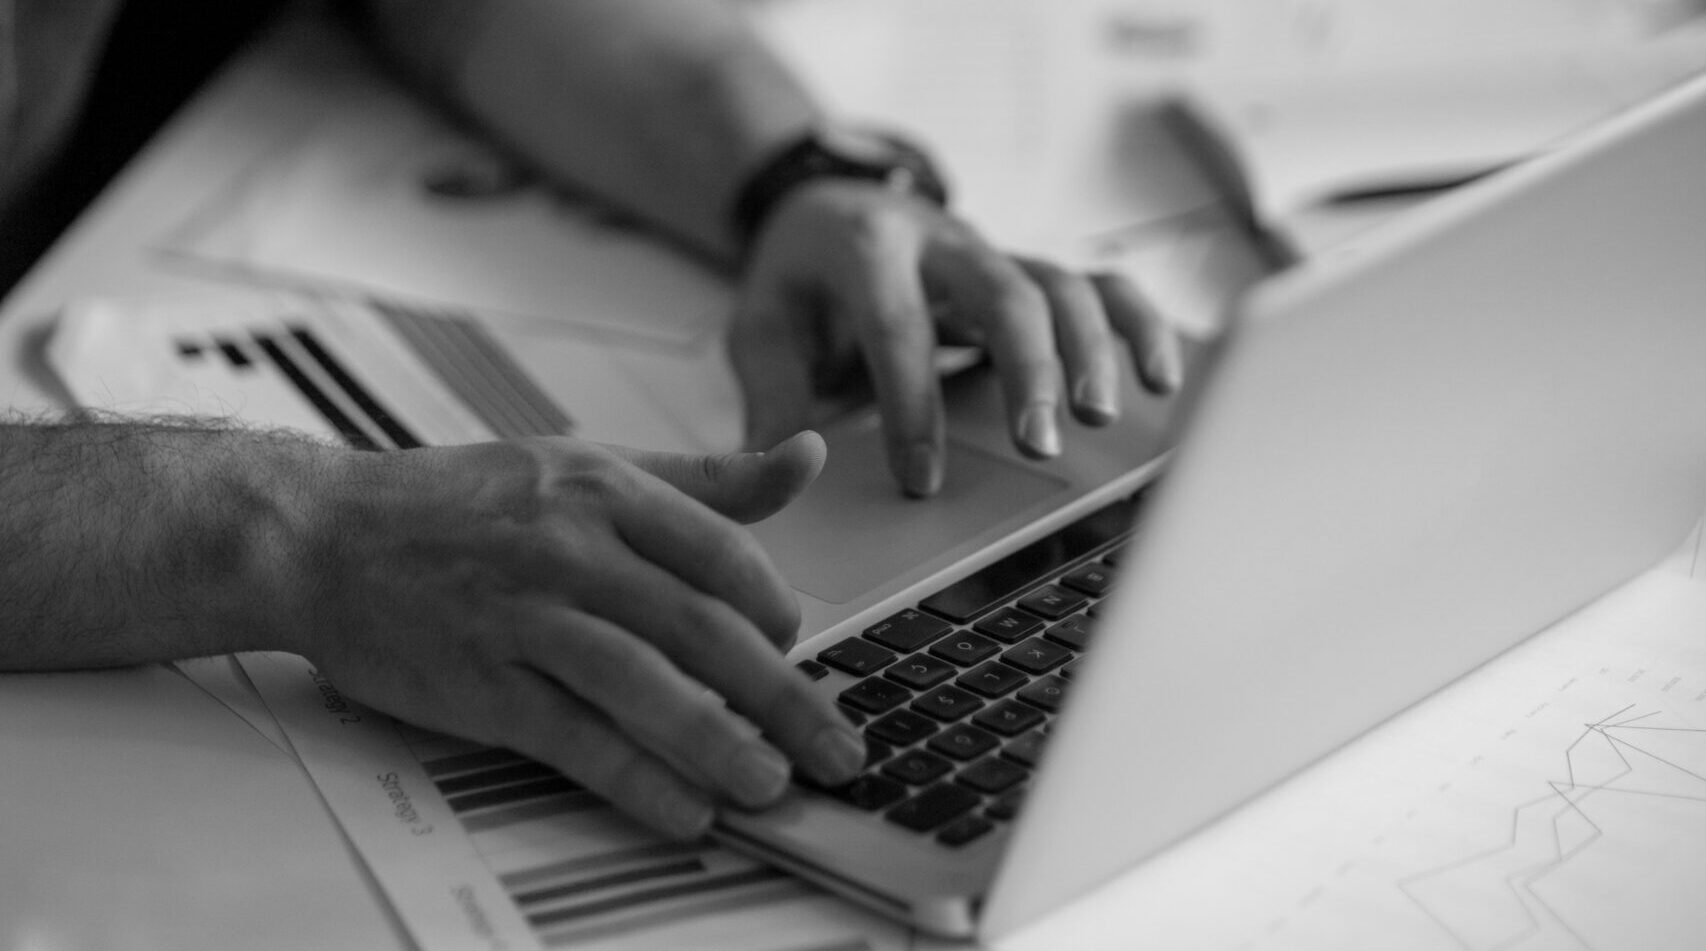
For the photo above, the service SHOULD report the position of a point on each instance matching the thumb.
(744, 486)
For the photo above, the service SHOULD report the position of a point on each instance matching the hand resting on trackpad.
(853, 531)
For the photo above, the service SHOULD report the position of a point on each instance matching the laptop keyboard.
(956, 695)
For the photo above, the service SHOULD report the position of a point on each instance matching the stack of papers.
(1323, 136)
(1312, 113)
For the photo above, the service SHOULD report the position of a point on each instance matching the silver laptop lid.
(1407, 457)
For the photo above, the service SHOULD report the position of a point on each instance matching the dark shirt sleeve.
(422, 39)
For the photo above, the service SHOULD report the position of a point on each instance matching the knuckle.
(1042, 372)
(596, 484)
(712, 469)
(735, 549)
(894, 327)
(614, 663)
(1053, 277)
(706, 728)
(1071, 291)
(703, 620)
(1008, 291)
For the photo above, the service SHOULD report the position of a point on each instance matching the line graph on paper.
(1552, 800)
(1633, 787)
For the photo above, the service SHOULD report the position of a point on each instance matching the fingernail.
(685, 817)
(923, 470)
(840, 754)
(760, 776)
(1039, 435)
(1095, 403)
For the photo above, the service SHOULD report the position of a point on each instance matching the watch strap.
(884, 158)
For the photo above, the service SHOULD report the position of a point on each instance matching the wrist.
(239, 520)
(828, 154)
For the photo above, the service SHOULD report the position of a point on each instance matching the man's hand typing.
(591, 607)
(595, 608)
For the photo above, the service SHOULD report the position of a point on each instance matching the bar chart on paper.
(474, 846)
(479, 847)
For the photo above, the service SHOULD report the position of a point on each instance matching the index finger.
(1154, 345)
(887, 307)
(708, 640)
(989, 287)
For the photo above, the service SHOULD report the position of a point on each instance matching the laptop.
(1405, 457)
(1402, 459)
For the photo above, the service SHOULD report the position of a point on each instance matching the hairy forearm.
(661, 106)
(127, 542)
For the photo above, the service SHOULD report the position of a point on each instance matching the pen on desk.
(1418, 188)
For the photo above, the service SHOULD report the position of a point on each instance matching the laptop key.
(875, 695)
(876, 751)
(1006, 807)
(964, 648)
(902, 728)
(1092, 579)
(917, 767)
(1036, 655)
(1027, 749)
(921, 671)
(934, 807)
(812, 669)
(987, 587)
(1071, 670)
(963, 742)
(963, 830)
(1046, 693)
(1008, 717)
(856, 656)
(992, 678)
(868, 793)
(1008, 625)
(1051, 601)
(1074, 632)
(947, 703)
(992, 775)
(907, 631)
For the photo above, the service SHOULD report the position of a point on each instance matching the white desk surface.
(135, 811)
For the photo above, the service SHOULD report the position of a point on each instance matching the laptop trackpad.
(853, 531)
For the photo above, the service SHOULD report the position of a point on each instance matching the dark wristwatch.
(835, 152)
